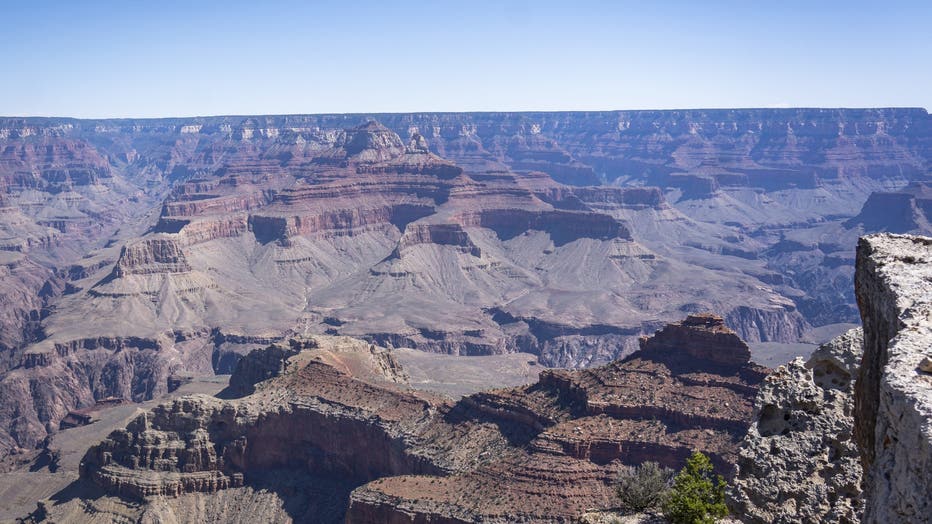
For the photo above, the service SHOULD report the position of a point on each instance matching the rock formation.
(799, 461)
(567, 235)
(580, 426)
(703, 337)
(893, 393)
(902, 211)
(341, 409)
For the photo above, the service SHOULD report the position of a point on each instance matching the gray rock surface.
(893, 400)
(798, 461)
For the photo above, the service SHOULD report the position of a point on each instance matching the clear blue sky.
(138, 58)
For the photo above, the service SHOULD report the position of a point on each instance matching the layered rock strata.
(341, 408)
(576, 428)
(473, 231)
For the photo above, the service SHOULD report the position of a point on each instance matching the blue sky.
(133, 58)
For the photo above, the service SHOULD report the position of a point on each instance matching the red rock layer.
(50, 163)
(543, 452)
(575, 428)
(366, 176)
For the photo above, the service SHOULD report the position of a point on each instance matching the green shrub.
(643, 487)
(697, 495)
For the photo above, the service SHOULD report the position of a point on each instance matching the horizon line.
(476, 112)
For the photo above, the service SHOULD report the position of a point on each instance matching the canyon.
(546, 451)
(141, 255)
(326, 428)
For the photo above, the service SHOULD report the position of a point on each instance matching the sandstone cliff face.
(893, 399)
(799, 461)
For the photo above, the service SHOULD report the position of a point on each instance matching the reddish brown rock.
(45, 163)
(704, 337)
(576, 428)
(543, 452)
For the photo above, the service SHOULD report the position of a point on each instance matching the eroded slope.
(341, 409)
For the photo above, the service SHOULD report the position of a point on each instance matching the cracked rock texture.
(798, 461)
(893, 398)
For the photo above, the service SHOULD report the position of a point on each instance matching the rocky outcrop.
(844, 421)
(323, 394)
(341, 408)
(799, 461)
(893, 393)
(373, 142)
(575, 428)
(262, 364)
(440, 234)
(703, 337)
(154, 255)
(905, 211)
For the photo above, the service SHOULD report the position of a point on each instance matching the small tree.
(698, 495)
(643, 487)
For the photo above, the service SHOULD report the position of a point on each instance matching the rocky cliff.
(856, 415)
(799, 461)
(339, 408)
(893, 398)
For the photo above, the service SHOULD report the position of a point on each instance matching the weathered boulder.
(798, 461)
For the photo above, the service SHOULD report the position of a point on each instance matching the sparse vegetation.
(643, 487)
(697, 495)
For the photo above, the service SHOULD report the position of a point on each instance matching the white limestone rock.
(798, 461)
